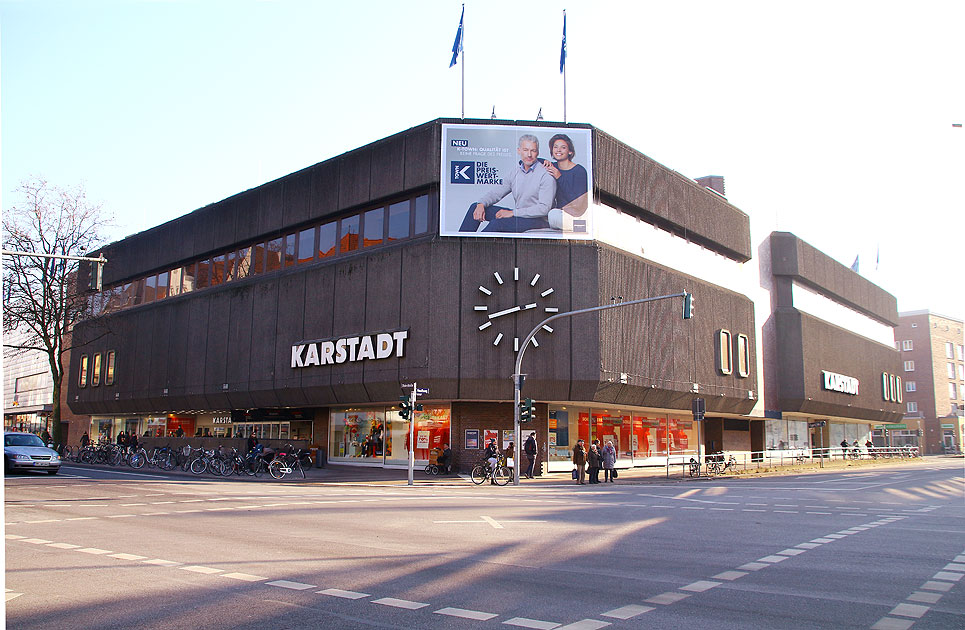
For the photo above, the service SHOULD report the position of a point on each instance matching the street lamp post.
(517, 376)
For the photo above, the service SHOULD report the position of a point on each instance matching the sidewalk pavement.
(365, 475)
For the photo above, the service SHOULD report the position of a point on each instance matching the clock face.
(502, 299)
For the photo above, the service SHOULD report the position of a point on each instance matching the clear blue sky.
(832, 120)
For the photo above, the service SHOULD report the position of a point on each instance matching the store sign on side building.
(839, 383)
(349, 349)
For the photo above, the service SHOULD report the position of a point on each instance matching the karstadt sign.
(370, 347)
(839, 383)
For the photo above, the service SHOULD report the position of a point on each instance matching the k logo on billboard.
(462, 173)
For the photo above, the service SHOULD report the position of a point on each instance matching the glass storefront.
(379, 436)
(637, 436)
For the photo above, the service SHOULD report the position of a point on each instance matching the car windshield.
(25, 439)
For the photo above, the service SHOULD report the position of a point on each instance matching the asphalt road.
(881, 548)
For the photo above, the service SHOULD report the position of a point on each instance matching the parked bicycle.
(717, 466)
(286, 462)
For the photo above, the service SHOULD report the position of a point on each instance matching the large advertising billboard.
(529, 182)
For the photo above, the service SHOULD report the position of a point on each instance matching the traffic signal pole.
(687, 314)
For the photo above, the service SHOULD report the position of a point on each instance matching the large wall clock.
(505, 300)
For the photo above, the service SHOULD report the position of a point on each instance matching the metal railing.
(723, 463)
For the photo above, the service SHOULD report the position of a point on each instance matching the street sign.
(421, 391)
(407, 385)
(698, 407)
(816, 425)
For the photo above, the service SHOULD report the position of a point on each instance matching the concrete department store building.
(297, 308)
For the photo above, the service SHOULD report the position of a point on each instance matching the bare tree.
(41, 296)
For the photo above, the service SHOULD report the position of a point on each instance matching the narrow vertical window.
(306, 245)
(327, 240)
(399, 220)
(109, 376)
(374, 227)
(290, 247)
(217, 270)
(743, 356)
(421, 214)
(162, 285)
(203, 279)
(349, 238)
(95, 374)
(174, 287)
(273, 253)
(82, 376)
(725, 359)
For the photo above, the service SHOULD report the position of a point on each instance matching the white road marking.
(199, 569)
(667, 598)
(48, 520)
(14, 537)
(933, 585)
(790, 552)
(93, 550)
(126, 556)
(399, 603)
(82, 518)
(523, 622)
(244, 577)
(889, 623)
(477, 615)
(700, 586)
(63, 546)
(337, 592)
(121, 515)
(772, 559)
(295, 586)
(8, 595)
(954, 566)
(808, 545)
(628, 612)
(927, 598)
(585, 624)
(947, 575)
(822, 540)
(162, 563)
(910, 610)
(753, 566)
(730, 575)
(36, 541)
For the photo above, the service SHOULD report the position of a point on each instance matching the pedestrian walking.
(593, 461)
(579, 462)
(529, 447)
(609, 456)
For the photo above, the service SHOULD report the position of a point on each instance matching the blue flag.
(854, 265)
(457, 45)
(563, 47)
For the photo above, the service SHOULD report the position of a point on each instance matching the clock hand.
(505, 312)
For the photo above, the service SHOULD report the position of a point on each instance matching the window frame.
(82, 371)
(109, 368)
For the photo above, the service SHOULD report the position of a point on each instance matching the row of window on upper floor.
(371, 228)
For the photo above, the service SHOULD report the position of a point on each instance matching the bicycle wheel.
(259, 467)
(167, 461)
(199, 465)
(137, 460)
(298, 465)
(694, 468)
(502, 475)
(478, 474)
(276, 469)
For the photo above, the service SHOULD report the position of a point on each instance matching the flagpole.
(463, 50)
(563, 64)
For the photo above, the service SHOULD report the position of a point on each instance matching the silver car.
(26, 451)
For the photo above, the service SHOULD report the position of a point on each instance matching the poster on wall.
(508, 437)
(490, 435)
(472, 439)
(513, 181)
(422, 439)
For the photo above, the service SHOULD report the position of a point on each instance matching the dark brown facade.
(805, 346)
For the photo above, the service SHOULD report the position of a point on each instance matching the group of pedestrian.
(124, 439)
(598, 457)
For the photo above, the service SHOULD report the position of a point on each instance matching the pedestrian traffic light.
(526, 410)
(419, 407)
(688, 305)
(920, 433)
(406, 407)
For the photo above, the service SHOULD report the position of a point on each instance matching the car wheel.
(53, 472)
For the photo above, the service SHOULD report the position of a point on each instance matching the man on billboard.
(533, 189)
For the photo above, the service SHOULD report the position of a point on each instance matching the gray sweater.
(533, 192)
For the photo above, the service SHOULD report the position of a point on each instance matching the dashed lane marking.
(337, 592)
(730, 575)
(162, 563)
(463, 613)
(127, 556)
(669, 597)
(628, 612)
(244, 577)
(63, 546)
(536, 624)
(8, 595)
(585, 624)
(199, 569)
(295, 586)
(399, 603)
(700, 586)
(93, 551)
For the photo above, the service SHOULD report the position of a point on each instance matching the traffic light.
(526, 410)
(95, 279)
(419, 407)
(688, 305)
(406, 407)
(920, 433)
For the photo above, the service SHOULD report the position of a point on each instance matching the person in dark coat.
(593, 461)
(579, 462)
(530, 448)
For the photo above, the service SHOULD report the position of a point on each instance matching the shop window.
(374, 227)
(162, 285)
(725, 358)
(109, 372)
(399, 220)
(82, 373)
(204, 274)
(743, 356)
(421, 214)
(349, 237)
(95, 372)
(290, 250)
(306, 245)
(327, 239)
(274, 253)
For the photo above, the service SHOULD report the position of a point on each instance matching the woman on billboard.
(572, 196)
